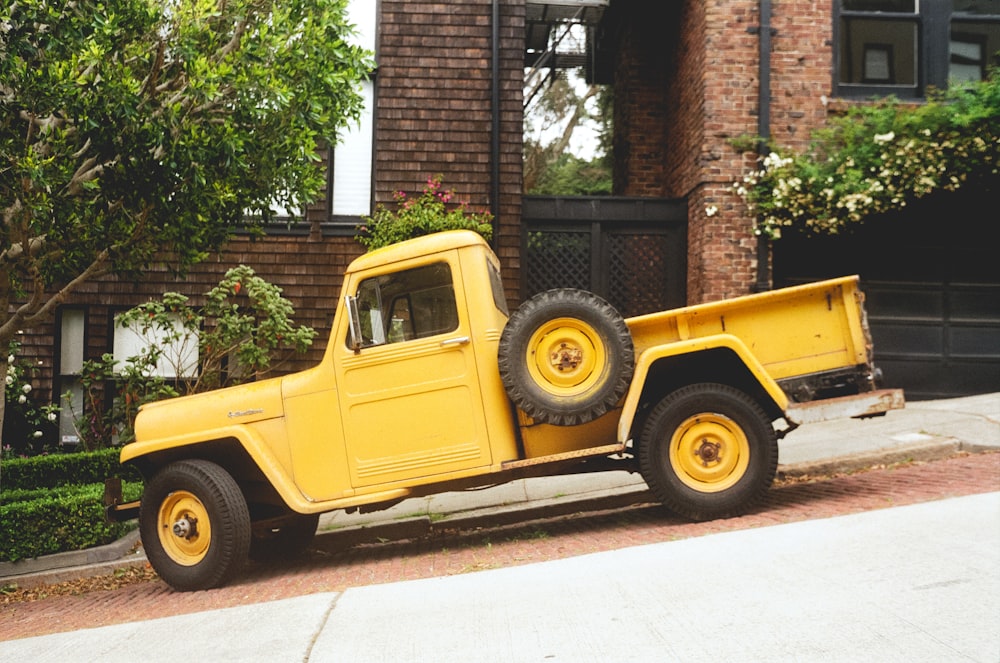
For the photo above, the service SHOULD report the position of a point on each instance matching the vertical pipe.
(495, 121)
(763, 282)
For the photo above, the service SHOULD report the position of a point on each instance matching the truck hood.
(206, 416)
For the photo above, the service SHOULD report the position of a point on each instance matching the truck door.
(411, 398)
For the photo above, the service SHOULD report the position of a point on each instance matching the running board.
(606, 450)
(869, 404)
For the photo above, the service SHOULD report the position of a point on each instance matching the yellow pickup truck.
(428, 385)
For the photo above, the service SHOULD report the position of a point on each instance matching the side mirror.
(353, 322)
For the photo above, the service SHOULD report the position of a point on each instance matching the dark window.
(902, 47)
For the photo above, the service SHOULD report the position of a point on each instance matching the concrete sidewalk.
(915, 583)
(923, 430)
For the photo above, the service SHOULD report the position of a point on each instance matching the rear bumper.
(868, 404)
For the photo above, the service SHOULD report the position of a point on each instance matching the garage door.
(932, 281)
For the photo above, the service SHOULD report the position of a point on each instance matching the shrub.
(69, 518)
(878, 157)
(55, 503)
(435, 210)
(54, 470)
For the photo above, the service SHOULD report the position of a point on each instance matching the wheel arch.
(722, 359)
(261, 479)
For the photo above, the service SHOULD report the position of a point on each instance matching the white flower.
(884, 138)
(26, 388)
(10, 379)
(52, 416)
(711, 210)
(10, 359)
(37, 433)
(22, 399)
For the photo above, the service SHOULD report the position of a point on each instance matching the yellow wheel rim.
(709, 452)
(184, 528)
(566, 357)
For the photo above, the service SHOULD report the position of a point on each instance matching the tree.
(134, 129)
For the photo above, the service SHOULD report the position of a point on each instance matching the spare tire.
(566, 357)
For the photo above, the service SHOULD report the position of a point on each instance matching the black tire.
(283, 539)
(195, 525)
(708, 451)
(566, 357)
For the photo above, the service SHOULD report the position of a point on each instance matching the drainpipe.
(764, 128)
(495, 121)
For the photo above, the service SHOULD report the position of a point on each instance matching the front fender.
(253, 443)
(650, 356)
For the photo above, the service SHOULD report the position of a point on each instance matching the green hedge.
(55, 503)
(53, 470)
(62, 519)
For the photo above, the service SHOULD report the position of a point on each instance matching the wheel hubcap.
(185, 531)
(709, 452)
(566, 357)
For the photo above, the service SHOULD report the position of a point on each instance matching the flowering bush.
(877, 158)
(433, 211)
(28, 426)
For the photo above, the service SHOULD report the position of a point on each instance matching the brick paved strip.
(451, 552)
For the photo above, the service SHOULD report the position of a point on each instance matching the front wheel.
(708, 451)
(195, 525)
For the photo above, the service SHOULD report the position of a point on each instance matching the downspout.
(764, 129)
(495, 121)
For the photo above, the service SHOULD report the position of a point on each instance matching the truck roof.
(434, 243)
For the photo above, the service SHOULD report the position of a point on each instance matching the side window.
(414, 303)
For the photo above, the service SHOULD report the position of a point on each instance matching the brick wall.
(434, 107)
(689, 84)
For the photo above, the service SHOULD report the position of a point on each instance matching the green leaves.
(878, 157)
(242, 331)
(435, 210)
(133, 127)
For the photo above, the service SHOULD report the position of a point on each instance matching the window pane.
(352, 162)
(71, 341)
(179, 357)
(72, 391)
(976, 6)
(414, 303)
(878, 52)
(908, 6)
(973, 49)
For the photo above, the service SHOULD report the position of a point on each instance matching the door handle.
(461, 340)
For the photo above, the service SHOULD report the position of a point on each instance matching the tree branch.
(35, 309)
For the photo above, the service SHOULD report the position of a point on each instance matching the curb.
(104, 560)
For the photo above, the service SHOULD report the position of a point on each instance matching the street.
(448, 553)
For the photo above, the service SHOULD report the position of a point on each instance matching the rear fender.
(648, 358)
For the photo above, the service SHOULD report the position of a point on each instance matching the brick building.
(688, 77)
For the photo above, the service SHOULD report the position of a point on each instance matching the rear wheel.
(565, 357)
(708, 451)
(195, 525)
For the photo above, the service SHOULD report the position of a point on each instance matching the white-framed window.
(351, 179)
